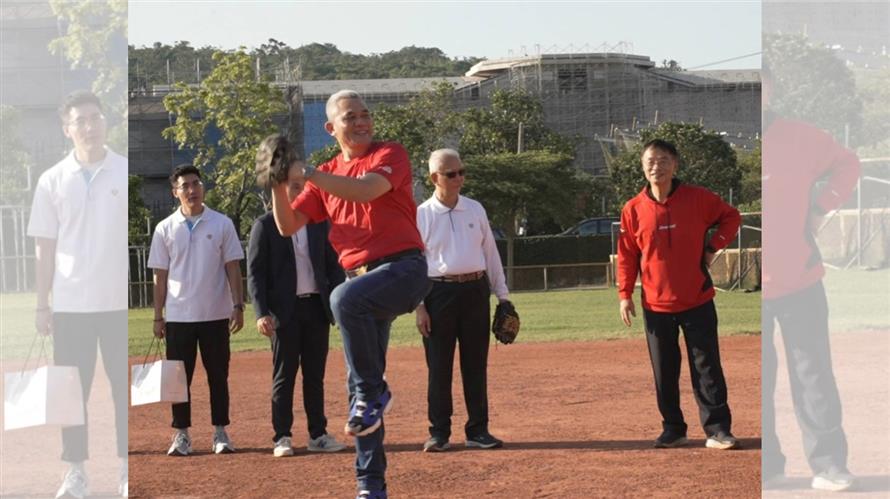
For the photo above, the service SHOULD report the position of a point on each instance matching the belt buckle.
(359, 271)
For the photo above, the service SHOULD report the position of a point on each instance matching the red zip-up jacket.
(795, 157)
(666, 243)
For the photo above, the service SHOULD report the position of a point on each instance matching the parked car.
(599, 226)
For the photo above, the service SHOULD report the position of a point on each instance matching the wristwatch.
(239, 306)
(308, 171)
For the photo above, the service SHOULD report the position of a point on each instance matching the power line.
(726, 60)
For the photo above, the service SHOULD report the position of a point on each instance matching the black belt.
(364, 269)
(307, 295)
(472, 276)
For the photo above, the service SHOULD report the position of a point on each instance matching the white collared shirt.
(197, 288)
(88, 220)
(459, 241)
(305, 274)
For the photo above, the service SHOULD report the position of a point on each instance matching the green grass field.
(546, 316)
(857, 301)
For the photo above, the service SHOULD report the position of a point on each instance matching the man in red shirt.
(366, 193)
(796, 157)
(663, 232)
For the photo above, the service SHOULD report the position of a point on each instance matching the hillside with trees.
(161, 64)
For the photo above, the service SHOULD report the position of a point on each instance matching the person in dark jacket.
(290, 280)
(663, 239)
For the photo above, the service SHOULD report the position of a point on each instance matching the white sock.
(220, 428)
(78, 465)
(184, 431)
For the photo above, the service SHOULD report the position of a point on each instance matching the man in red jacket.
(663, 231)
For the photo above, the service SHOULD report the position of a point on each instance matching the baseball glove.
(505, 325)
(273, 160)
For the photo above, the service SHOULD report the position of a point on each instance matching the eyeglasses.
(87, 120)
(462, 172)
(197, 184)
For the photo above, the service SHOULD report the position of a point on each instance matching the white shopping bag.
(48, 395)
(158, 381)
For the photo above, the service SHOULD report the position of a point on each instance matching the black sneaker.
(436, 444)
(669, 439)
(484, 441)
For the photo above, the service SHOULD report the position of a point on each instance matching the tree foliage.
(811, 84)
(314, 61)
(874, 90)
(705, 160)
(233, 104)
(749, 196)
(14, 159)
(138, 233)
(511, 186)
(94, 38)
(496, 128)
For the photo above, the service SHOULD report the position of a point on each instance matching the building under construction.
(595, 97)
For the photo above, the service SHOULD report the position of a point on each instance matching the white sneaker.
(833, 481)
(75, 484)
(182, 445)
(283, 447)
(221, 443)
(325, 443)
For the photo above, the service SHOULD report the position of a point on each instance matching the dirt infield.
(578, 419)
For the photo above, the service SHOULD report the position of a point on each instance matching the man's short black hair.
(78, 98)
(662, 145)
(183, 170)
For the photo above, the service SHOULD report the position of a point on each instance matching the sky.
(695, 34)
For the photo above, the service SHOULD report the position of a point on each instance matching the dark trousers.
(301, 342)
(183, 341)
(459, 314)
(803, 317)
(75, 337)
(365, 308)
(700, 331)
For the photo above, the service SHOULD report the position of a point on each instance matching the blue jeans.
(364, 308)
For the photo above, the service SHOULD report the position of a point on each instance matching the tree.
(95, 38)
(138, 231)
(705, 160)
(232, 103)
(511, 186)
(750, 192)
(812, 84)
(874, 91)
(496, 128)
(15, 162)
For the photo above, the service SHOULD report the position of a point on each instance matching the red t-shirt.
(364, 232)
(665, 244)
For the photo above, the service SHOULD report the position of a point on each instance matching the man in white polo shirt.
(79, 222)
(195, 254)
(465, 268)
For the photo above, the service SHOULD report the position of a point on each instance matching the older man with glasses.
(465, 268)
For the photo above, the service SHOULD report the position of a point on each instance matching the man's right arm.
(628, 268)
(287, 219)
(45, 267)
(159, 296)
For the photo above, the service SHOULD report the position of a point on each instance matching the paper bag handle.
(154, 341)
(41, 353)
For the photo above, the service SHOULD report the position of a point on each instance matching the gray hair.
(331, 107)
(438, 157)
